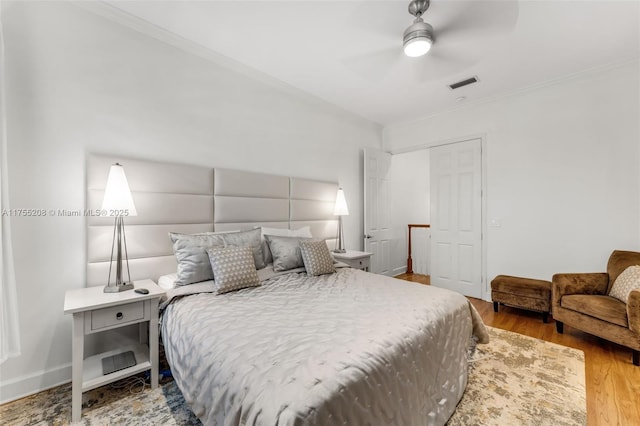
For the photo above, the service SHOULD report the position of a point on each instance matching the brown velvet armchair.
(582, 301)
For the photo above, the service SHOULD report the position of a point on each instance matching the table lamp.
(340, 210)
(118, 203)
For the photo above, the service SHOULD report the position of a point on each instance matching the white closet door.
(456, 217)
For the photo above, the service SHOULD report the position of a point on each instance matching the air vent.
(463, 83)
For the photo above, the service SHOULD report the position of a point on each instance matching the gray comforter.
(348, 348)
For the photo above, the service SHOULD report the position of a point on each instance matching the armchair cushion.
(606, 308)
(589, 283)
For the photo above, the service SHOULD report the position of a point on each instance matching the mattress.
(345, 348)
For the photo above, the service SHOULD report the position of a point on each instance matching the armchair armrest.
(591, 283)
(633, 310)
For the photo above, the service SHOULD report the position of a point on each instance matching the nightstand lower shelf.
(92, 376)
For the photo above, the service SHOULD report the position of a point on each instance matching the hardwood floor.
(416, 278)
(612, 381)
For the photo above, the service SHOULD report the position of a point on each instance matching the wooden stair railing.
(409, 260)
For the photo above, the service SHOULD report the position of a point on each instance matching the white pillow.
(628, 280)
(167, 282)
(304, 232)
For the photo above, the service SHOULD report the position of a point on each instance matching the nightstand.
(95, 311)
(355, 259)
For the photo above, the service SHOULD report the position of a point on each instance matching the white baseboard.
(17, 388)
(399, 270)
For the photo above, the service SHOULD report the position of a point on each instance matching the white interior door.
(377, 217)
(456, 217)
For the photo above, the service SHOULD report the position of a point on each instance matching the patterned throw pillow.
(316, 257)
(628, 280)
(233, 268)
(250, 238)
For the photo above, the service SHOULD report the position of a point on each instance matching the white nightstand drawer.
(355, 259)
(116, 316)
(361, 263)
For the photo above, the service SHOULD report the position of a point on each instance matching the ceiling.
(349, 53)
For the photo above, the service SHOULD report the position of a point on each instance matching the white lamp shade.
(117, 196)
(341, 208)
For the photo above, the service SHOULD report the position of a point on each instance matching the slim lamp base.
(119, 242)
(118, 288)
(340, 239)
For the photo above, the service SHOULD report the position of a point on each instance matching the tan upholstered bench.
(523, 293)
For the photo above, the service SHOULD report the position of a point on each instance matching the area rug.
(514, 380)
(519, 380)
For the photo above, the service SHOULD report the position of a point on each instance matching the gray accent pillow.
(305, 231)
(285, 251)
(250, 238)
(191, 254)
(233, 268)
(316, 257)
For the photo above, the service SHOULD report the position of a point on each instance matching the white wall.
(79, 83)
(409, 178)
(562, 170)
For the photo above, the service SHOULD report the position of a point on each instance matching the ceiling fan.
(464, 31)
(418, 38)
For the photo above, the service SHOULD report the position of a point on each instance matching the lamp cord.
(132, 383)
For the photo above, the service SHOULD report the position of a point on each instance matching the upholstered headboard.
(311, 204)
(188, 199)
(243, 200)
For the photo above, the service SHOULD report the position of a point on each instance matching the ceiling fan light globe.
(417, 38)
(417, 47)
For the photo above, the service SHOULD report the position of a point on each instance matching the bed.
(345, 348)
(295, 347)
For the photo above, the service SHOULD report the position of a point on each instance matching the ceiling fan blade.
(379, 18)
(438, 64)
(375, 65)
(470, 20)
